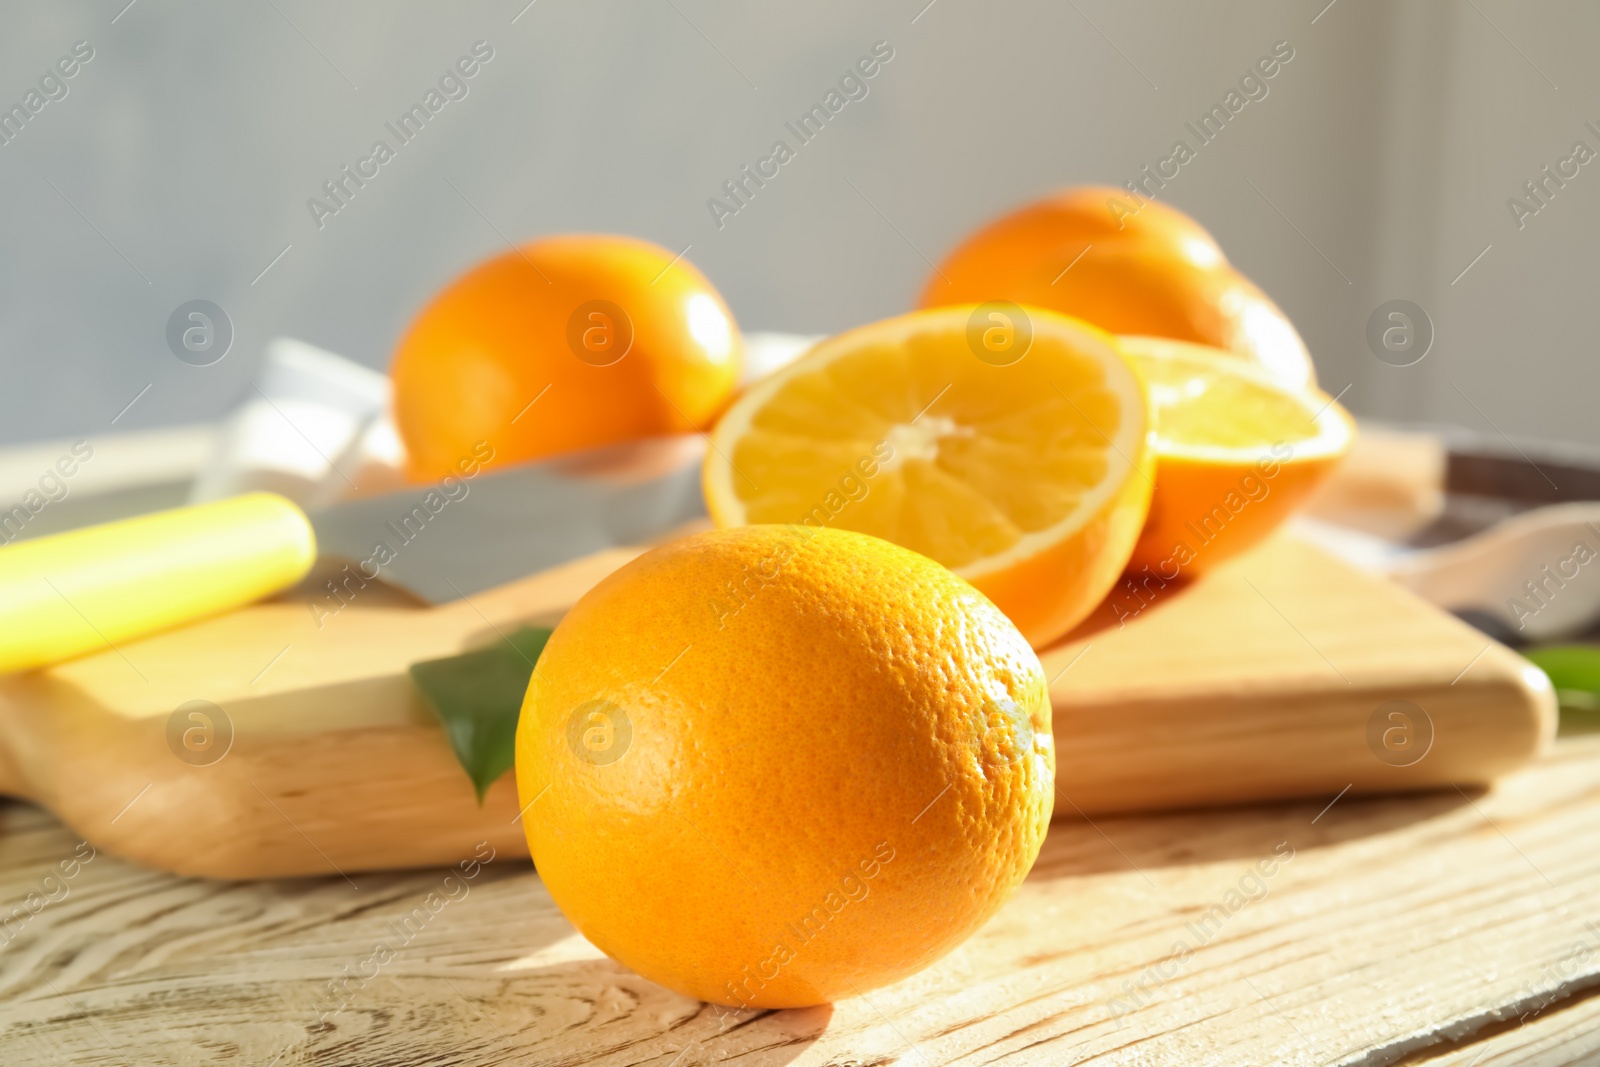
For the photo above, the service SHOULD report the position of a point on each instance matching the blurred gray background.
(179, 162)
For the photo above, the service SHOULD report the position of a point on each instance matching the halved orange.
(1010, 444)
(1237, 452)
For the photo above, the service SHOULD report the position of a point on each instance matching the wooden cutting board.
(1284, 674)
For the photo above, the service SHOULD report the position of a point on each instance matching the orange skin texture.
(494, 339)
(1159, 274)
(1188, 492)
(829, 742)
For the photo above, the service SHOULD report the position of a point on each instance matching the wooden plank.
(1260, 681)
(1367, 931)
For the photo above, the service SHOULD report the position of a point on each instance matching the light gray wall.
(192, 140)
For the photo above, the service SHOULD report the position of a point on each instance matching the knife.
(75, 592)
(449, 539)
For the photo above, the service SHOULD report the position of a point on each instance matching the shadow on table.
(1084, 845)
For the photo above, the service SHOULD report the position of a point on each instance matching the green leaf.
(1574, 672)
(1569, 666)
(478, 696)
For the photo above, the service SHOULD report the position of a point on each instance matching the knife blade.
(457, 537)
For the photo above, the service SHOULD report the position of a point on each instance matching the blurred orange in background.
(564, 343)
(1128, 265)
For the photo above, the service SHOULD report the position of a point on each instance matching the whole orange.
(564, 343)
(1126, 264)
(778, 766)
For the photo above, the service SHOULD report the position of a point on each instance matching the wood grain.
(1260, 681)
(1406, 929)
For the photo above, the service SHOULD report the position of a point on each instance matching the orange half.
(1238, 451)
(1010, 444)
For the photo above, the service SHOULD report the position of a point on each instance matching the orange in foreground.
(1237, 453)
(779, 766)
(1128, 265)
(564, 343)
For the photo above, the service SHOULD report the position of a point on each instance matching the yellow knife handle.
(84, 590)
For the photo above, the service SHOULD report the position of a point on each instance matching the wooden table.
(1458, 928)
